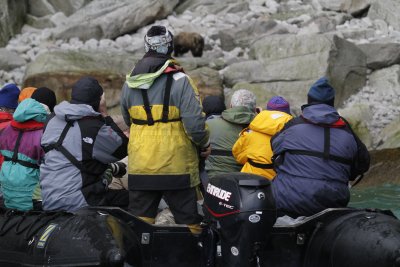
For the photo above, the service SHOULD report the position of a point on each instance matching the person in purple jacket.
(20, 146)
(314, 154)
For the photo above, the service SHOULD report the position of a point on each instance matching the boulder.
(390, 135)
(68, 7)
(384, 101)
(264, 91)
(42, 8)
(305, 58)
(386, 10)
(207, 81)
(59, 70)
(245, 33)
(109, 19)
(10, 60)
(212, 7)
(381, 55)
(353, 7)
(384, 168)
(358, 115)
(12, 18)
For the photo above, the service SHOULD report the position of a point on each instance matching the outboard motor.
(241, 207)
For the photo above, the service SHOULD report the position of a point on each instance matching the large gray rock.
(381, 55)
(349, 6)
(68, 7)
(59, 70)
(10, 60)
(207, 81)
(358, 116)
(288, 58)
(295, 92)
(387, 10)
(110, 19)
(385, 104)
(384, 168)
(244, 34)
(12, 18)
(212, 6)
(391, 135)
(42, 8)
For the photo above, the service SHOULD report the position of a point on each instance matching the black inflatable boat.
(240, 229)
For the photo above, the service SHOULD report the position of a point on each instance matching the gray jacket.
(94, 141)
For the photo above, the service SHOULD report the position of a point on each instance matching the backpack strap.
(59, 147)
(324, 155)
(260, 165)
(220, 152)
(147, 107)
(15, 159)
(167, 95)
(165, 112)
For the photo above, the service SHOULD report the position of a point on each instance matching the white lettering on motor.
(218, 192)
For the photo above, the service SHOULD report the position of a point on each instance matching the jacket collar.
(30, 125)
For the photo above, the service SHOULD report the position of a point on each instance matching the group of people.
(56, 157)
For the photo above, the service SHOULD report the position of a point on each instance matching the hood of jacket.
(320, 114)
(68, 111)
(30, 109)
(269, 122)
(5, 116)
(148, 69)
(238, 115)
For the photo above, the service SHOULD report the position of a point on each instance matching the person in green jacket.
(224, 131)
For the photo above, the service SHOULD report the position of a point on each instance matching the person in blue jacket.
(314, 154)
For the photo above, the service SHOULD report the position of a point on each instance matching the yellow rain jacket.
(253, 148)
(163, 156)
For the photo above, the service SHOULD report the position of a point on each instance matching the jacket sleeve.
(361, 161)
(239, 148)
(125, 105)
(111, 143)
(192, 116)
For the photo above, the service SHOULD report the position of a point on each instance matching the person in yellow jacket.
(253, 148)
(162, 106)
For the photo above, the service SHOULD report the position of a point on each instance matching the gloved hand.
(118, 169)
(106, 177)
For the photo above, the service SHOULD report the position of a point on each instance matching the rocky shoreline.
(268, 46)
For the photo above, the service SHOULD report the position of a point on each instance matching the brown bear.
(185, 41)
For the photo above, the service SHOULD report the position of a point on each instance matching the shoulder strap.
(165, 112)
(15, 159)
(146, 106)
(327, 143)
(58, 146)
(260, 165)
(167, 95)
(220, 152)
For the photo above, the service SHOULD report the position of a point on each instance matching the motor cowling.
(242, 208)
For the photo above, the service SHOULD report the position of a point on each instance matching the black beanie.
(87, 90)
(156, 30)
(45, 96)
(213, 105)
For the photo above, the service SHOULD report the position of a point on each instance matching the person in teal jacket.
(20, 146)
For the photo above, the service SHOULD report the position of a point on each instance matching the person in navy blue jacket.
(314, 154)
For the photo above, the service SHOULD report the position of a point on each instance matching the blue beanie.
(9, 96)
(321, 91)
